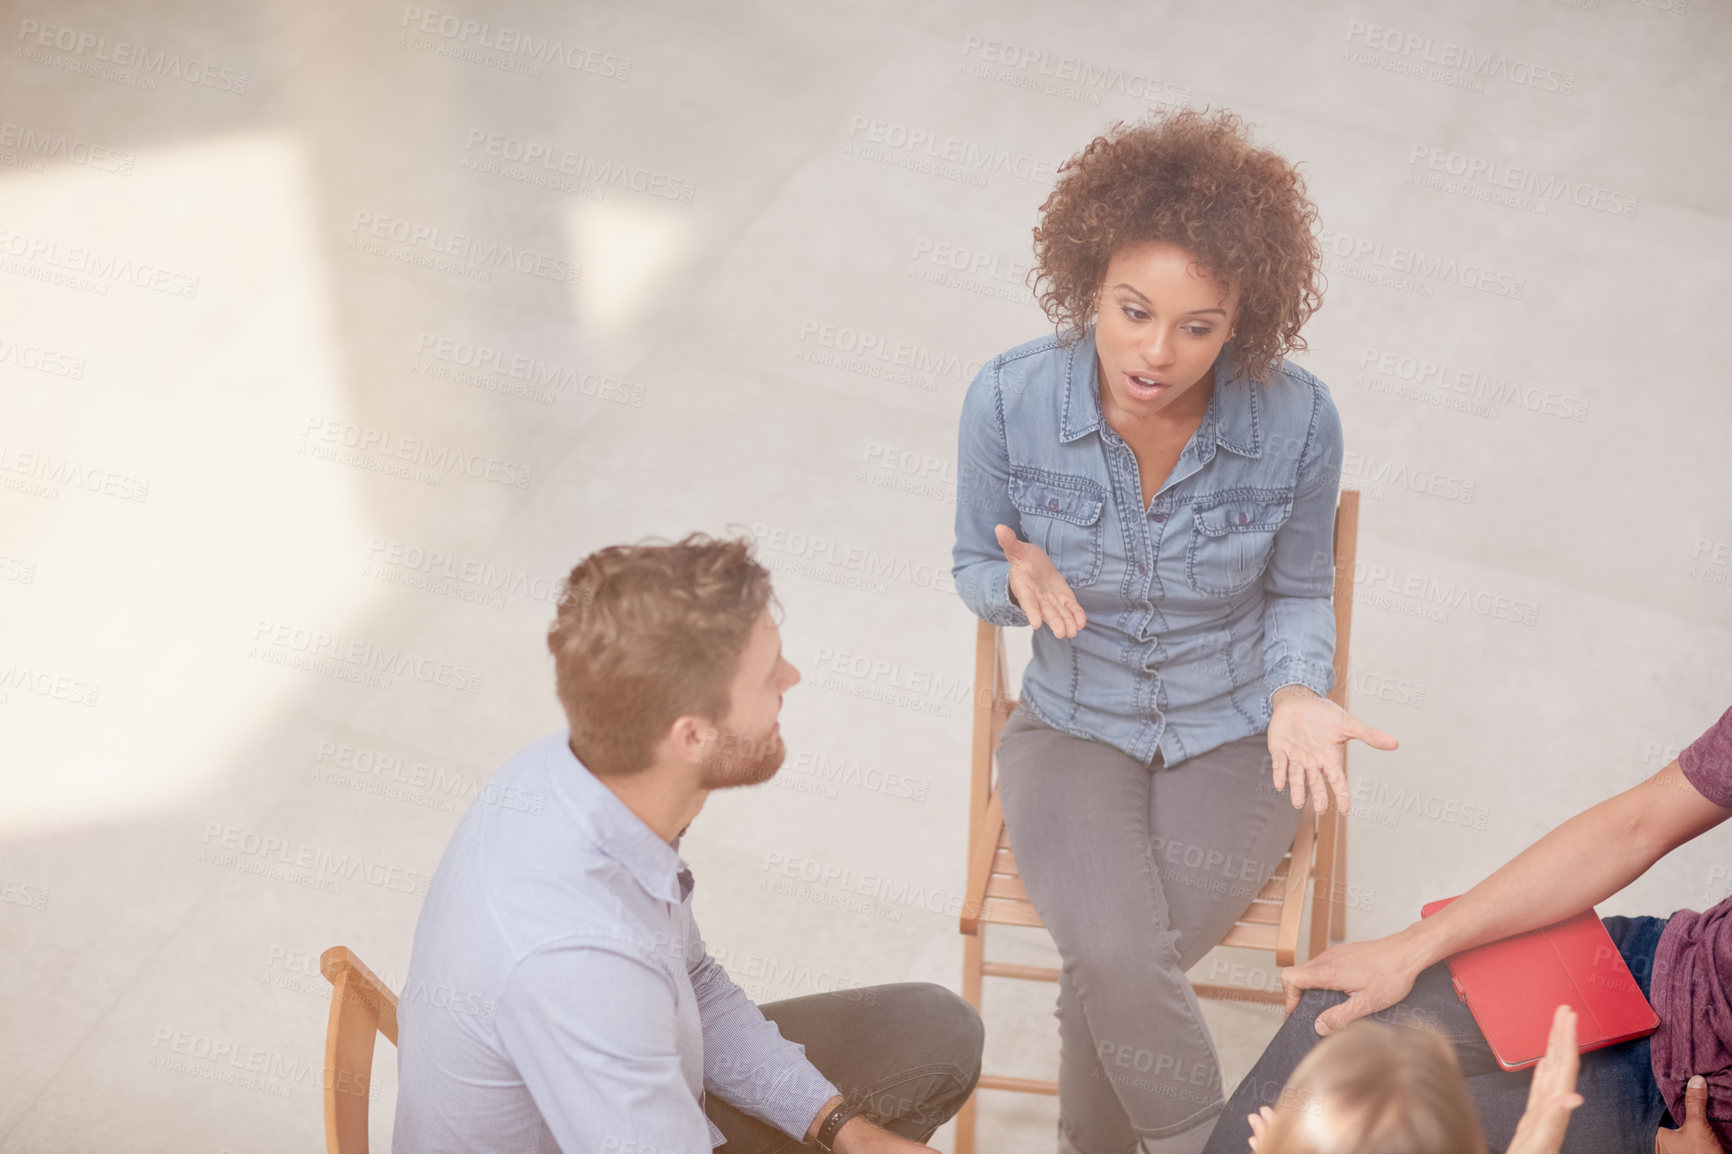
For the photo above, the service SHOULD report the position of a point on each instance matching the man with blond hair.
(565, 998)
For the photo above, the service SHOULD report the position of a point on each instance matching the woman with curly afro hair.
(1153, 489)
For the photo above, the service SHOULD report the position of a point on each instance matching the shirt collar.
(1233, 420)
(618, 832)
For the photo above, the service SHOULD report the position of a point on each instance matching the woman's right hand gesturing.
(1038, 587)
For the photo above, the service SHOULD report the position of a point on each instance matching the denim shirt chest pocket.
(1231, 537)
(1062, 514)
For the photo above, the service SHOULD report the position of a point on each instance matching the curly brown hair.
(1193, 179)
(648, 633)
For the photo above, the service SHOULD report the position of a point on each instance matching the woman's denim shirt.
(1200, 605)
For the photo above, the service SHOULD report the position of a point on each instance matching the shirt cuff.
(1004, 611)
(799, 1099)
(1316, 677)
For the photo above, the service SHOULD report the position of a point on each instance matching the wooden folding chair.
(1316, 865)
(362, 1007)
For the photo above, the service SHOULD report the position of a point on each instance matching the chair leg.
(965, 1125)
(973, 966)
(973, 976)
(1323, 885)
(1338, 917)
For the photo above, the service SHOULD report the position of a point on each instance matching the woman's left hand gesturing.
(1308, 738)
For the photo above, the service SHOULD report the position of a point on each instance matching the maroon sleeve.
(1707, 762)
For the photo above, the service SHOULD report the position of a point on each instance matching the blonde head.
(1376, 1089)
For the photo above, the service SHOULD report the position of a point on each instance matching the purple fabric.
(1692, 983)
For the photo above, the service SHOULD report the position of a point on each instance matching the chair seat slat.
(1001, 912)
(1243, 937)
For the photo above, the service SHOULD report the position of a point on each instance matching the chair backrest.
(362, 1007)
(1346, 558)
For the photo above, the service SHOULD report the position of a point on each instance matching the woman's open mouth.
(1142, 387)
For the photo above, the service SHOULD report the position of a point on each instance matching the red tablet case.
(1513, 987)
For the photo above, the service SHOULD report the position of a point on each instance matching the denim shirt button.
(1243, 518)
(1157, 517)
(1052, 503)
(1142, 568)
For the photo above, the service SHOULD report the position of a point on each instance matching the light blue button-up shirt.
(1201, 604)
(559, 996)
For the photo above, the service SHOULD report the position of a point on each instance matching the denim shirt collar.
(618, 832)
(1233, 420)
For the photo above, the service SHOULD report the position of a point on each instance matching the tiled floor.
(332, 330)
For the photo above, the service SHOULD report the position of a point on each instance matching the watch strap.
(825, 1138)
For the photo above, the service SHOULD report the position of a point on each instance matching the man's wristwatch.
(825, 1138)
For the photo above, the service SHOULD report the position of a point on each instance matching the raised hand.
(1038, 586)
(1308, 738)
(1552, 1093)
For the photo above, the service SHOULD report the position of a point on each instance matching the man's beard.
(739, 760)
